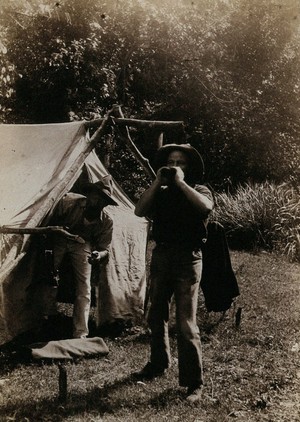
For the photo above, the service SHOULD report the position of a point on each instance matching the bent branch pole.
(117, 112)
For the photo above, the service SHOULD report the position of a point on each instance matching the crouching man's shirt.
(70, 213)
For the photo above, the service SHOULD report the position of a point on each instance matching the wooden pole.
(42, 230)
(117, 112)
(62, 383)
(108, 149)
(160, 140)
(154, 124)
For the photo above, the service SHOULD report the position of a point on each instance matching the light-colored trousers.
(78, 254)
(176, 271)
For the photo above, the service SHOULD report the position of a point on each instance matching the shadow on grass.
(106, 400)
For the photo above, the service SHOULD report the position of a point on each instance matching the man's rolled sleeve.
(205, 191)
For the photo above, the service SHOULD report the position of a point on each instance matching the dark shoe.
(194, 395)
(149, 372)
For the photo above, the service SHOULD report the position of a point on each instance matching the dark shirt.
(175, 218)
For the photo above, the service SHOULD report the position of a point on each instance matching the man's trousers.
(176, 270)
(78, 254)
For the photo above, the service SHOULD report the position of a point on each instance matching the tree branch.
(125, 135)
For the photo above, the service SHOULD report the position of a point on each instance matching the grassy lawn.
(252, 373)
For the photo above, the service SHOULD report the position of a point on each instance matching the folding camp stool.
(62, 351)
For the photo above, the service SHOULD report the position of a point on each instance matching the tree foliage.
(229, 69)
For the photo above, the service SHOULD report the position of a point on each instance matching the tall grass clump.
(262, 216)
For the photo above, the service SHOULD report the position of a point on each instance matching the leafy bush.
(228, 69)
(262, 216)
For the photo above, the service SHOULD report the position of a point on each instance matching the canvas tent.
(38, 165)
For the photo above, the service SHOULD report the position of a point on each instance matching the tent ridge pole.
(150, 124)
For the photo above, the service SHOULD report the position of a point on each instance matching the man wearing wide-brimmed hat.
(86, 217)
(178, 207)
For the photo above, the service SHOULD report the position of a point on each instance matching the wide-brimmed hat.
(104, 186)
(195, 163)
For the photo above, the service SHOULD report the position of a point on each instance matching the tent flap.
(34, 161)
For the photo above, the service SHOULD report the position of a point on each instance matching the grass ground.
(252, 373)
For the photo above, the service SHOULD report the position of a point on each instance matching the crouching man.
(86, 217)
(178, 208)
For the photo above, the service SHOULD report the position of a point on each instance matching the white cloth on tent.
(34, 161)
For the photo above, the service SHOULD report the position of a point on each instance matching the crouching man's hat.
(104, 186)
(195, 163)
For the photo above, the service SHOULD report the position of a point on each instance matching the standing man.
(86, 217)
(178, 208)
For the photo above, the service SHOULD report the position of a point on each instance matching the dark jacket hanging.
(218, 282)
